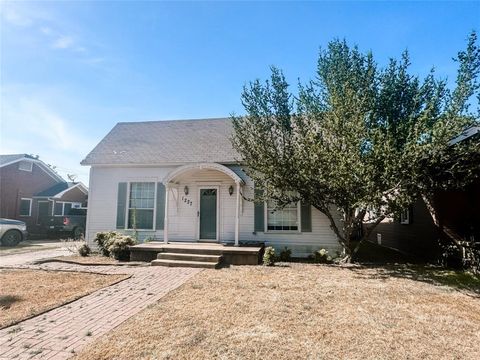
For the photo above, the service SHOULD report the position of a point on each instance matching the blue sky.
(71, 70)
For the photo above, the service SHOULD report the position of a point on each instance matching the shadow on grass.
(8, 300)
(465, 282)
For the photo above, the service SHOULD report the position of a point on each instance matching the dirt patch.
(88, 260)
(300, 312)
(26, 293)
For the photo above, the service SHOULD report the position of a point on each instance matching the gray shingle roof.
(160, 142)
(5, 159)
(55, 189)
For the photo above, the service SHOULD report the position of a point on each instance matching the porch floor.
(231, 255)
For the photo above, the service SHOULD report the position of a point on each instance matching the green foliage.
(119, 247)
(269, 256)
(84, 250)
(103, 241)
(321, 256)
(360, 140)
(285, 255)
(463, 257)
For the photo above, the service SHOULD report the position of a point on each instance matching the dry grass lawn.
(25, 293)
(301, 312)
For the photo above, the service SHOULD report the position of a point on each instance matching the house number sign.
(187, 200)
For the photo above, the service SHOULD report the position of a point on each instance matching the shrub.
(119, 247)
(463, 256)
(269, 256)
(104, 240)
(321, 256)
(285, 254)
(84, 250)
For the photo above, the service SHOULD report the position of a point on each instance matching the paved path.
(26, 257)
(61, 332)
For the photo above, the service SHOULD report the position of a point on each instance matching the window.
(25, 165)
(63, 208)
(141, 205)
(405, 216)
(58, 209)
(66, 208)
(25, 207)
(285, 219)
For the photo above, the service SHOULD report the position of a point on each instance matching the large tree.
(359, 142)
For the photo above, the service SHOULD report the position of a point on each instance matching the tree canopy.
(359, 140)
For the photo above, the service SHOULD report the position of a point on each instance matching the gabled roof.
(58, 190)
(467, 134)
(9, 159)
(12, 158)
(165, 142)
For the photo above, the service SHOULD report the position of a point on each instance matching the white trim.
(63, 206)
(299, 221)
(127, 212)
(165, 221)
(405, 216)
(237, 215)
(30, 207)
(28, 162)
(80, 185)
(200, 166)
(199, 189)
(40, 164)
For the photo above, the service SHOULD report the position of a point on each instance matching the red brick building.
(30, 190)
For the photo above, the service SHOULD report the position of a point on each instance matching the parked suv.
(72, 224)
(12, 232)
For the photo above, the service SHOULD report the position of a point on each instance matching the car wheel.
(78, 232)
(11, 238)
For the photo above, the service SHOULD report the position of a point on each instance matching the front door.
(208, 214)
(43, 213)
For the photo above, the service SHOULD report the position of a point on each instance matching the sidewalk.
(61, 332)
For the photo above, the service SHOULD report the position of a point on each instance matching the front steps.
(177, 253)
(179, 258)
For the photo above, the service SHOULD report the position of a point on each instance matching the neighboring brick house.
(30, 191)
(457, 211)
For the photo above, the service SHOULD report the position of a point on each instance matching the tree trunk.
(366, 234)
(342, 239)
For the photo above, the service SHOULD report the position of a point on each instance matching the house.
(178, 181)
(457, 212)
(31, 191)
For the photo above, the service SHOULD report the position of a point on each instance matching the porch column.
(165, 223)
(237, 214)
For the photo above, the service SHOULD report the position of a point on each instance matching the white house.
(179, 181)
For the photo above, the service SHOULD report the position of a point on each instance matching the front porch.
(210, 255)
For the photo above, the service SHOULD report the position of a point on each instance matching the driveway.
(61, 332)
(29, 251)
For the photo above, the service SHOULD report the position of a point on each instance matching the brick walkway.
(61, 332)
(22, 258)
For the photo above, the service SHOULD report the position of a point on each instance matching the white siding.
(183, 219)
(102, 197)
(302, 244)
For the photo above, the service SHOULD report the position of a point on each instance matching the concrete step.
(199, 250)
(189, 257)
(181, 263)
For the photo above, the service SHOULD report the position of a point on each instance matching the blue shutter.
(306, 217)
(259, 213)
(121, 205)
(160, 222)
